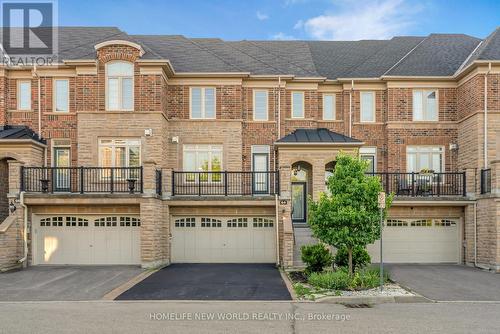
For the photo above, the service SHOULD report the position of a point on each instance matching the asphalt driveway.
(448, 282)
(61, 283)
(211, 282)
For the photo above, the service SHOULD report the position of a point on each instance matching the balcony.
(82, 180)
(225, 183)
(449, 184)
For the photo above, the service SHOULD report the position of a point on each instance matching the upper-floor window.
(369, 154)
(260, 105)
(203, 158)
(367, 106)
(297, 104)
(24, 95)
(425, 105)
(328, 107)
(119, 152)
(202, 102)
(120, 85)
(61, 95)
(424, 158)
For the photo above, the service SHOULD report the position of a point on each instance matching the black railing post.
(81, 180)
(277, 186)
(112, 185)
(22, 178)
(225, 183)
(173, 183)
(199, 184)
(413, 184)
(253, 182)
(464, 185)
(142, 179)
(52, 177)
(387, 183)
(438, 184)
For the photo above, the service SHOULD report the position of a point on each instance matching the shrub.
(367, 278)
(360, 257)
(301, 290)
(316, 257)
(332, 280)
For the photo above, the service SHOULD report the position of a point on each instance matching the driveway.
(211, 282)
(63, 282)
(448, 282)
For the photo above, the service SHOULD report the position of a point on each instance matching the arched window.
(119, 86)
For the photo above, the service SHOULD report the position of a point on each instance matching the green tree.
(349, 215)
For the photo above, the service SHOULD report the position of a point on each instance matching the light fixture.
(12, 207)
(296, 170)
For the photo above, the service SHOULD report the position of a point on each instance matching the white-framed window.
(119, 152)
(367, 107)
(369, 154)
(202, 102)
(425, 105)
(297, 104)
(202, 158)
(24, 95)
(328, 107)
(119, 85)
(425, 158)
(260, 105)
(61, 95)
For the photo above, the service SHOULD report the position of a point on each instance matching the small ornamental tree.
(349, 215)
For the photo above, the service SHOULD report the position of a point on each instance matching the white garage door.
(223, 240)
(99, 240)
(419, 241)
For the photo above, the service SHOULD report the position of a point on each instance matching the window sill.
(20, 110)
(330, 121)
(368, 123)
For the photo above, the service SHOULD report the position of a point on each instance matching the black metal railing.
(485, 181)
(82, 179)
(159, 182)
(423, 185)
(225, 183)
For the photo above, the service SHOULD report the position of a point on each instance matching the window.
(119, 152)
(367, 107)
(203, 158)
(424, 157)
(328, 107)
(369, 154)
(24, 95)
(297, 104)
(260, 112)
(120, 86)
(425, 105)
(61, 95)
(202, 102)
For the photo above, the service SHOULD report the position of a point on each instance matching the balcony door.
(62, 173)
(260, 167)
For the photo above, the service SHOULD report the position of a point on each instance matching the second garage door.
(223, 240)
(419, 241)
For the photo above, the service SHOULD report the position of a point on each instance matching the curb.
(372, 299)
(127, 285)
(288, 285)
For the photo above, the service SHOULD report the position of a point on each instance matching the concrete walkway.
(63, 283)
(448, 282)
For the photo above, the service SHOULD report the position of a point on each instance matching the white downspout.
(40, 114)
(486, 117)
(475, 234)
(25, 227)
(350, 108)
(277, 231)
(275, 168)
(279, 107)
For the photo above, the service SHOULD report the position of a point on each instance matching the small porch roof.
(19, 132)
(320, 136)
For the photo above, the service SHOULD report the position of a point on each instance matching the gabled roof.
(318, 136)
(19, 132)
(489, 49)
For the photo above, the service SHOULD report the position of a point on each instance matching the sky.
(286, 19)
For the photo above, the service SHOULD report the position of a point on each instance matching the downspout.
(350, 108)
(485, 130)
(277, 231)
(475, 234)
(40, 114)
(277, 171)
(25, 229)
(279, 107)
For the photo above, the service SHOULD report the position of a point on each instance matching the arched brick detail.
(117, 52)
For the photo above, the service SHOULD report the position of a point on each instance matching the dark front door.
(61, 175)
(299, 201)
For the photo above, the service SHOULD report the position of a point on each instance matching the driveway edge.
(113, 294)
(372, 299)
(288, 284)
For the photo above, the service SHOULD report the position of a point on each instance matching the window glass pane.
(411, 162)
(209, 102)
(436, 162)
(106, 157)
(61, 95)
(133, 156)
(423, 161)
(260, 108)
(196, 102)
(418, 113)
(431, 106)
(216, 161)
(298, 104)
(113, 94)
(190, 161)
(328, 107)
(202, 163)
(127, 93)
(120, 69)
(367, 107)
(24, 95)
(120, 160)
(371, 163)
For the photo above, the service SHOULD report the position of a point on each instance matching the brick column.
(318, 179)
(285, 228)
(155, 245)
(471, 182)
(167, 182)
(149, 177)
(14, 177)
(495, 177)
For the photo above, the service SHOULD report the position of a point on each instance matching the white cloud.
(281, 36)
(262, 16)
(355, 20)
(299, 25)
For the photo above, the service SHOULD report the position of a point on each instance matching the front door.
(61, 174)
(299, 201)
(260, 176)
